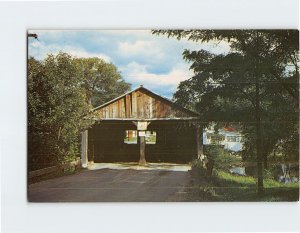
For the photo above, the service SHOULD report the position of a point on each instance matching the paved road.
(110, 185)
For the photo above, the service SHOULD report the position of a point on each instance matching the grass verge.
(224, 186)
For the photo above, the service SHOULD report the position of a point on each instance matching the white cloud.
(141, 47)
(84, 54)
(138, 47)
(35, 44)
(143, 58)
(39, 50)
(138, 74)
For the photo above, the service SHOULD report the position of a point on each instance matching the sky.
(142, 58)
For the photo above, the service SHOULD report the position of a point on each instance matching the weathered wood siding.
(142, 104)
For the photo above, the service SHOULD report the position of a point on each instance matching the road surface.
(113, 185)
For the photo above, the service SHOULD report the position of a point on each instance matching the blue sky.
(143, 59)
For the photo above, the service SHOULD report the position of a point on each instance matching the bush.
(223, 158)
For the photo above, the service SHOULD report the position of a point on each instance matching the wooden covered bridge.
(142, 126)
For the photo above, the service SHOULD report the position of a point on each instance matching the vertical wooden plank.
(113, 106)
(154, 108)
(134, 104)
(123, 108)
(149, 102)
(118, 112)
(123, 115)
(158, 109)
(150, 107)
(138, 105)
(128, 108)
(120, 107)
(146, 104)
(130, 104)
(106, 112)
(114, 109)
(125, 105)
(109, 111)
(142, 105)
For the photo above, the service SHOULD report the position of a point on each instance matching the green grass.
(241, 180)
(223, 186)
(250, 181)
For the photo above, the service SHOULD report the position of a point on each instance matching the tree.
(259, 73)
(56, 106)
(60, 92)
(101, 80)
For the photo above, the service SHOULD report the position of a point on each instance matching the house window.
(215, 138)
(231, 138)
(131, 137)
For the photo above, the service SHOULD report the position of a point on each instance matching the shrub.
(223, 158)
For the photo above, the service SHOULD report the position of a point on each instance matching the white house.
(227, 136)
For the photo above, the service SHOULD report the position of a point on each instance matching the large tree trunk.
(265, 160)
(259, 156)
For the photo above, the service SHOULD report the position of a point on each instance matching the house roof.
(152, 93)
(229, 129)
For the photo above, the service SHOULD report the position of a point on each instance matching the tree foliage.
(102, 80)
(224, 86)
(58, 110)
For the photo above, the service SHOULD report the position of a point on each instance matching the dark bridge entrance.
(175, 143)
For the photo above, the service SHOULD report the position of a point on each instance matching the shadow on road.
(116, 183)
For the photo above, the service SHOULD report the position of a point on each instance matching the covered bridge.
(142, 126)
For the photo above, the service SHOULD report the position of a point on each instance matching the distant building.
(227, 136)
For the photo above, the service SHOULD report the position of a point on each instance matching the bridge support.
(84, 148)
(199, 140)
(141, 130)
(142, 140)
